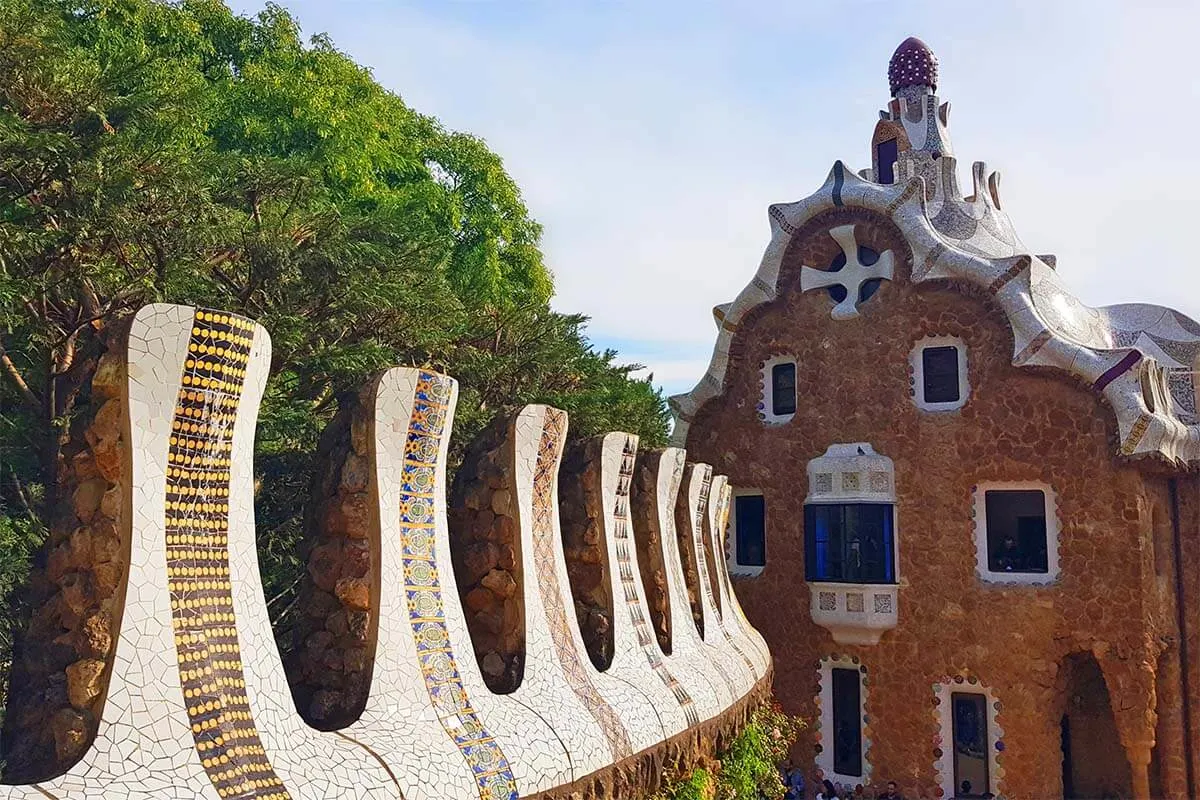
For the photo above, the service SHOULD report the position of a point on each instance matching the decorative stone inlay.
(827, 601)
(854, 602)
(851, 277)
(883, 604)
(851, 461)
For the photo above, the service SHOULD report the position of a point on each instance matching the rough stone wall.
(1189, 570)
(76, 590)
(644, 516)
(485, 550)
(581, 516)
(329, 668)
(687, 553)
(853, 384)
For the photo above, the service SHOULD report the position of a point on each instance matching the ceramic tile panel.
(451, 680)
(420, 718)
(733, 665)
(733, 620)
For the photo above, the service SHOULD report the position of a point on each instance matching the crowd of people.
(796, 788)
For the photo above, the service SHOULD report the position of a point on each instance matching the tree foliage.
(176, 152)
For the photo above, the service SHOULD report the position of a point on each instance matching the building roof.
(1139, 358)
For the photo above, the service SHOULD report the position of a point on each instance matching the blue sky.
(649, 138)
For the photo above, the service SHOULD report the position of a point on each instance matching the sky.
(649, 138)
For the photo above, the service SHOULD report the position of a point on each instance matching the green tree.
(154, 151)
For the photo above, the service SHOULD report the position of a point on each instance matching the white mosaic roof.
(1138, 357)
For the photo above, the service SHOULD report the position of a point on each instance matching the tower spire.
(915, 128)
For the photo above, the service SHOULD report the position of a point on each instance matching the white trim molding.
(944, 740)
(979, 515)
(824, 701)
(736, 568)
(916, 362)
(766, 406)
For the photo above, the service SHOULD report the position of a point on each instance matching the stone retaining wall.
(581, 514)
(62, 660)
(329, 668)
(644, 514)
(485, 549)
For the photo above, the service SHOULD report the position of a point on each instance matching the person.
(965, 789)
(1009, 558)
(859, 792)
(827, 791)
(793, 782)
(892, 793)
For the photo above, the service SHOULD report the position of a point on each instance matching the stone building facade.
(966, 515)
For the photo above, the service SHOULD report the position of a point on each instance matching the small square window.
(1016, 531)
(749, 533)
(939, 378)
(783, 389)
(939, 366)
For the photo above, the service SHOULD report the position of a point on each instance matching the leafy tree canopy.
(154, 151)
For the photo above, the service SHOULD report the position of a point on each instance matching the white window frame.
(979, 503)
(825, 715)
(917, 363)
(735, 566)
(944, 767)
(767, 411)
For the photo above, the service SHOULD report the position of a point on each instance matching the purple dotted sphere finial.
(913, 64)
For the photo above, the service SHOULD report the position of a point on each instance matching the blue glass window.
(849, 543)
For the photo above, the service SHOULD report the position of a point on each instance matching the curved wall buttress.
(693, 505)
(731, 621)
(198, 704)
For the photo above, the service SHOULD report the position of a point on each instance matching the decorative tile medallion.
(629, 583)
(422, 587)
(883, 604)
(854, 602)
(554, 428)
(197, 544)
(827, 601)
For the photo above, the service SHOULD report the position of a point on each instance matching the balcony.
(855, 613)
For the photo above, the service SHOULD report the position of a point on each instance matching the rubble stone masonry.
(1105, 631)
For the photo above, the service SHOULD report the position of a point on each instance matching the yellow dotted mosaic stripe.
(197, 543)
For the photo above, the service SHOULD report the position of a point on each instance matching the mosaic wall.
(198, 703)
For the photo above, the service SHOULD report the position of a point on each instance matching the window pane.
(849, 543)
(885, 155)
(783, 389)
(750, 516)
(847, 722)
(970, 744)
(1016, 530)
(939, 368)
